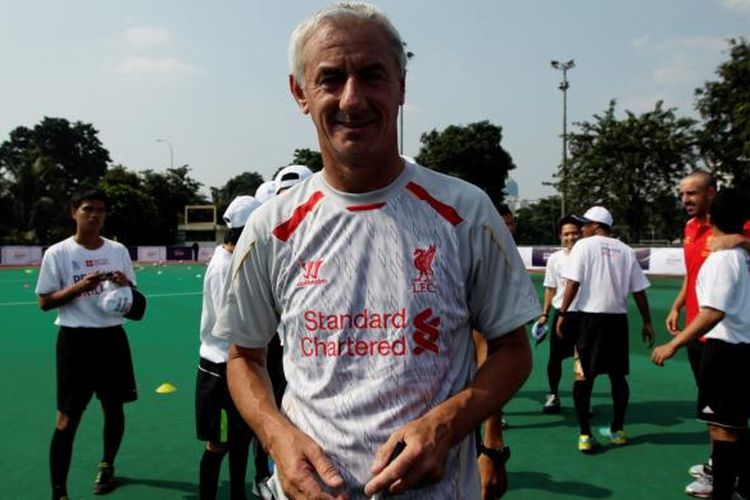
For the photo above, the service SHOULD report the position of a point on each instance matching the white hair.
(357, 10)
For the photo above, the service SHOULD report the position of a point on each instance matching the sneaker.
(700, 470)
(587, 444)
(503, 423)
(261, 489)
(617, 437)
(701, 487)
(105, 479)
(551, 404)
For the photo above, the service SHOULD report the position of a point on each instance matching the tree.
(309, 158)
(724, 106)
(632, 166)
(244, 184)
(49, 162)
(472, 152)
(537, 223)
(171, 191)
(132, 215)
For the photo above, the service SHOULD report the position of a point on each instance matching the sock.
(60, 455)
(620, 398)
(582, 399)
(209, 474)
(239, 449)
(554, 374)
(726, 457)
(114, 429)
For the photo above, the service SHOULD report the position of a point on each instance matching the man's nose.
(352, 95)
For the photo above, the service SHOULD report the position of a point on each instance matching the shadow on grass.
(545, 482)
(192, 488)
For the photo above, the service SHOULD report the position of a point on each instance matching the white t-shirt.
(553, 278)
(724, 284)
(66, 263)
(608, 271)
(375, 296)
(215, 281)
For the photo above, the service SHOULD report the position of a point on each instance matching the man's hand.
(673, 322)
(303, 466)
(494, 478)
(647, 334)
(119, 279)
(422, 462)
(542, 319)
(89, 282)
(663, 353)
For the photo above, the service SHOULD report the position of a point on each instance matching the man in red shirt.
(696, 192)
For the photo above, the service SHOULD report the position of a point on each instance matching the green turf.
(159, 456)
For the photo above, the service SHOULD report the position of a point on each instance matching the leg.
(61, 452)
(114, 429)
(726, 459)
(743, 483)
(620, 398)
(209, 470)
(582, 390)
(239, 448)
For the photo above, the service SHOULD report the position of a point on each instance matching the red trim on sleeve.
(446, 211)
(363, 208)
(284, 230)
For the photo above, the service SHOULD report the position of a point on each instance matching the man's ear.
(298, 93)
(402, 84)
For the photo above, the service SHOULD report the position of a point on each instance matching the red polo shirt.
(697, 236)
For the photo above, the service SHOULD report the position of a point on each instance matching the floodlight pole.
(564, 85)
(171, 151)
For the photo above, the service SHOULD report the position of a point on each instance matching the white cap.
(115, 300)
(539, 332)
(597, 214)
(291, 175)
(265, 191)
(239, 210)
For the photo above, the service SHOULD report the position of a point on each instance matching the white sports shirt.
(724, 284)
(608, 271)
(375, 296)
(215, 280)
(553, 278)
(66, 263)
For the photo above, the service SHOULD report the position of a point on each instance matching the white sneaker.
(700, 470)
(701, 487)
(551, 404)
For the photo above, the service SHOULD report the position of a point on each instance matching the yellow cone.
(166, 388)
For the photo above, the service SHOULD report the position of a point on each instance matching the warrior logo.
(423, 262)
(427, 332)
(310, 271)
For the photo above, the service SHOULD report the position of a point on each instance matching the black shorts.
(275, 366)
(695, 353)
(603, 344)
(93, 361)
(723, 397)
(561, 348)
(216, 417)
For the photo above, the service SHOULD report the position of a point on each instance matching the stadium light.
(171, 151)
(564, 85)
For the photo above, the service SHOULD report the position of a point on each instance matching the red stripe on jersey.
(284, 230)
(446, 211)
(362, 208)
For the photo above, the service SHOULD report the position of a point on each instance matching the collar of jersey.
(381, 195)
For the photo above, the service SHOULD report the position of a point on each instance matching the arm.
(673, 318)
(549, 293)
(642, 302)
(429, 438)
(729, 241)
(493, 475)
(706, 319)
(59, 298)
(571, 290)
(299, 459)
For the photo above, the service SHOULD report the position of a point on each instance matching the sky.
(210, 78)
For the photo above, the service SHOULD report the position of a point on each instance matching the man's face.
(569, 234)
(589, 229)
(696, 196)
(90, 216)
(352, 90)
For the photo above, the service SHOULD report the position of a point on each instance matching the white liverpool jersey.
(375, 296)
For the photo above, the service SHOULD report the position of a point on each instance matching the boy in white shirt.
(723, 290)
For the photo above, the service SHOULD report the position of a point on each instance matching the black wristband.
(499, 455)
